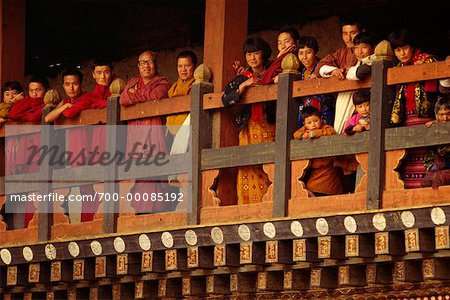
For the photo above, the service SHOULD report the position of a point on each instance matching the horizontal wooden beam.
(25, 127)
(62, 178)
(417, 136)
(161, 107)
(238, 156)
(327, 85)
(329, 146)
(86, 117)
(173, 164)
(253, 95)
(396, 138)
(231, 236)
(420, 72)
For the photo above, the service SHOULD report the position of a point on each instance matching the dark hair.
(11, 86)
(73, 72)
(42, 80)
(190, 54)
(352, 22)
(101, 62)
(400, 38)
(255, 43)
(442, 102)
(308, 41)
(366, 38)
(292, 31)
(309, 111)
(361, 96)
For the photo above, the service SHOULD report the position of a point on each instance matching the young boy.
(364, 47)
(360, 121)
(324, 179)
(437, 162)
(364, 44)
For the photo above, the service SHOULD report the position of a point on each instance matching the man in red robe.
(84, 139)
(17, 148)
(148, 132)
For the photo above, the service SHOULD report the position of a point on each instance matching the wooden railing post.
(287, 110)
(379, 120)
(45, 208)
(110, 208)
(201, 137)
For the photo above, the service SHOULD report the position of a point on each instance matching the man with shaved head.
(144, 134)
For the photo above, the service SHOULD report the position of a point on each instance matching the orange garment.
(325, 130)
(179, 88)
(324, 178)
(252, 181)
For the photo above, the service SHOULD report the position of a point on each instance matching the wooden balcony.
(379, 198)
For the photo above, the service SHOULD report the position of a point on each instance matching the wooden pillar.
(378, 122)
(12, 40)
(287, 110)
(45, 208)
(111, 208)
(225, 33)
(201, 138)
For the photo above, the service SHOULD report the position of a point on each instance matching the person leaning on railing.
(256, 124)
(146, 136)
(83, 140)
(437, 161)
(336, 64)
(17, 147)
(12, 91)
(186, 63)
(360, 121)
(307, 54)
(413, 103)
(178, 124)
(324, 178)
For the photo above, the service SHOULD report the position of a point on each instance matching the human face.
(102, 75)
(307, 56)
(404, 54)
(36, 90)
(313, 122)
(363, 50)
(72, 86)
(185, 68)
(443, 115)
(363, 109)
(285, 40)
(348, 34)
(146, 65)
(254, 60)
(9, 95)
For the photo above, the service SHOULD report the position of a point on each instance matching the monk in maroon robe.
(148, 86)
(17, 148)
(85, 139)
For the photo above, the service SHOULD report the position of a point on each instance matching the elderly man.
(146, 136)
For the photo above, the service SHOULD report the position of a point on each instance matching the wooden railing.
(285, 160)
